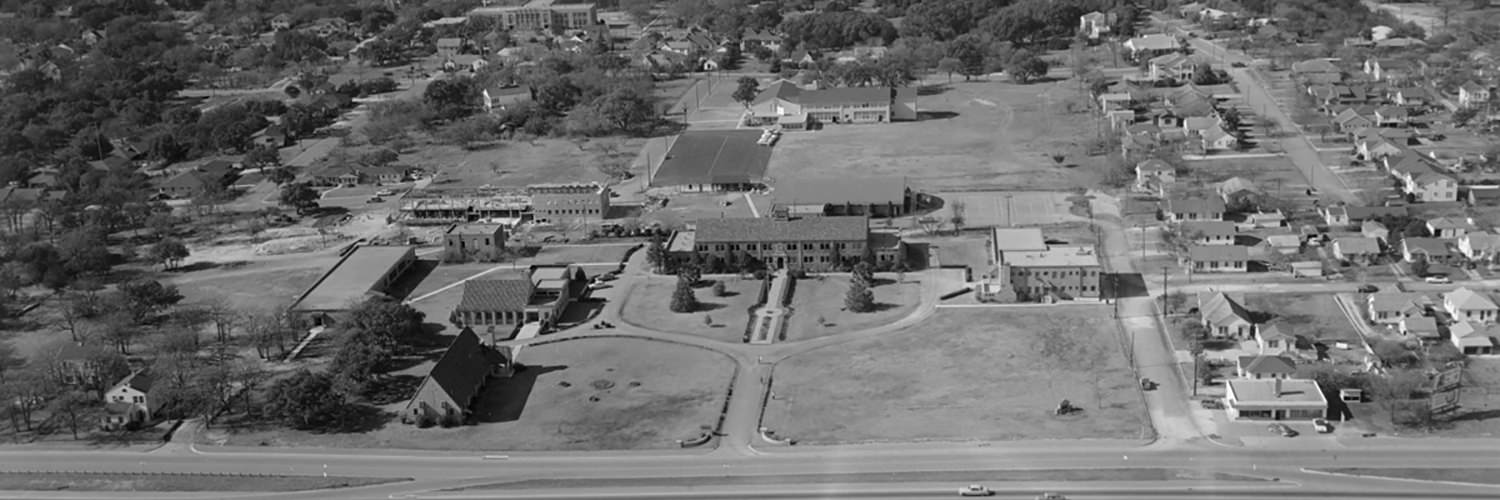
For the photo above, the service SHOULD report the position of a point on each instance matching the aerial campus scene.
(1049, 249)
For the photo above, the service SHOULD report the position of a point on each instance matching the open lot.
(648, 303)
(1011, 208)
(584, 394)
(262, 290)
(972, 373)
(818, 305)
(687, 207)
(970, 135)
(519, 163)
(1316, 316)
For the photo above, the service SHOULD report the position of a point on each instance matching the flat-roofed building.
(835, 105)
(541, 15)
(501, 208)
(568, 202)
(1033, 270)
(809, 243)
(1274, 399)
(474, 242)
(872, 197)
(366, 272)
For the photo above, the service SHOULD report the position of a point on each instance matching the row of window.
(1038, 290)
(735, 247)
(569, 211)
(1056, 274)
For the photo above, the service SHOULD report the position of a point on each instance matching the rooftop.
(1464, 298)
(353, 278)
(1292, 392)
(714, 157)
(1357, 246)
(1220, 308)
(1218, 252)
(474, 229)
(1209, 228)
(1268, 364)
(1014, 239)
(839, 191)
(508, 294)
(1058, 256)
(841, 228)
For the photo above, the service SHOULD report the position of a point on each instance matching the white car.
(1322, 426)
(1438, 280)
(384, 192)
(975, 490)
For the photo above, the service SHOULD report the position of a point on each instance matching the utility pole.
(1165, 306)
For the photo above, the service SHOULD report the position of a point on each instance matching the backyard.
(965, 374)
(1315, 316)
(647, 305)
(969, 135)
(582, 394)
(818, 305)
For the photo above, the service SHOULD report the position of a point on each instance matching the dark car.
(1368, 289)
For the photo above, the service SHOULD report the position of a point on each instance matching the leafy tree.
(1203, 74)
(74, 407)
(949, 66)
(656, 253)
(748, 88)
(859, 298)
(718, 289)
(169, 253)
(452, 98)
(683, 299)
(1026, 67)
(300, 196)
(281, 175)
(1464, 115)
(84, 251)
(306, 400)
(969, 51)
(863, 271)
(143, 298)
(385, 319)
(263, 157)
(1419, 267)
(835, 30)
(359, 359)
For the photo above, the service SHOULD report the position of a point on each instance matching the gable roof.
(1237, 184)
(1195, 205)
(1314, 66)
(751, 229)
(1421, 324)
(1268, 365)
(139, 380)
(781, 89)
(1272, 332)
(1464, 298)
(1357, 246)
(1220, 308)
(1429, 246)
(1154, 165)
(1155, 41)
(496, 295)
(1397, 302)
(461, 371)
(1229, 253)
(1449, 223)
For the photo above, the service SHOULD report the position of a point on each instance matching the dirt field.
(1026, 208)
(823, 298)
(272, 288)
(588, 394)
(685, 208)
(519, 163)
(966, 374)
(972, 135)
(648, 306)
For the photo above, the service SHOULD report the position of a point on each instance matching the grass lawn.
(956, 477)
(965, 374)
(40, 481)
(1478, 415)
(650, 298)
(687, 207)
(582, 254)
(584, 394)
(1308, 314)
(974, 135)
(823, 297)
(273, 288)
(1462, 475)
(519, 163)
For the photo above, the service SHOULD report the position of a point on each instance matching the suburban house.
(1472, 94)
(1270, 338)
(1151, 45)
(1317, 71)
(1209, 232)
(1174, 66)
(474, 242)
(1428, 249)
(1154, 172)
(449, 47)
(1235, 185)
(1356, 249)
(1216, 139)
(1178, 210)
(1423, 327)
(1376, 230)
(1479, 246)
(1392, 116)
(783, 101)
(1274, 399)
(1467, 305)
(1353, 216)
(1473, 339)
(128, 402)
(1484, 196)
(185, 184)
(1351, 120)
(1450, 227)
(1217, 259)
(873, 197)
(1428, 187)
(1260, 220)
(568, 202)
(1383, 69)
(1372, 144)
(446, 397)
(1224, 317)
(759, 38)
(1095, 24)
(1265, 367)
(503, 305)
(1411, 96)
(1390, 308)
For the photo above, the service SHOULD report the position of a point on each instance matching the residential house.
(1286, 244)
(1371, 144)
(1209, 232)
(1450, 227)
(1429, 249)
(1115, 101)
(1261, 220)
(1358, 250)
(1217, 259)
(1479, 246)
(1392, 116)
(447, 396)
(1351, 121)
(449, 47)
(281, 22)
(1095, 24)
(128, 402)
(1411, 96)
(1420, 179)
(1152, 45)
(1385, 69)
(1274, 399)
(1223, 316)
(1265, 367)
(1390, 308)
(1468, 305)
(1472, 94)
(1154, 172)
(186, 184)
(1178, 210)
(1422, 327)
(1484, 195)
(1317, 71)
(1472, 339)
(1234, 186)
(759, 38)
(41, 180)
(1173, 66)
(1272, 337)
(474, 242)
(274, 136)
(1376, 230)
(330, 27)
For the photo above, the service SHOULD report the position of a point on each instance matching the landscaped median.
(165, 482)
(1473, 475)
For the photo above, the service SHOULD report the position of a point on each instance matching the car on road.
(384, 192)
(1051, 496)
(975, 490)
(1368, 288)
(1437, 280)
(1147, 384)
(1282, 429)
(375, 199)
(1322, 426)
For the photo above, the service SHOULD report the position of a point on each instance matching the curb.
(1402, 479)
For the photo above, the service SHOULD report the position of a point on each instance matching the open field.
(818, 305)
(272, 288)
(15, 481)
(970, 135)
(1315, 316)
(965, 374)
(688, 207)
(583, 394)
(956, 477)
(519, 163)
(1024, 208)
(648, 303)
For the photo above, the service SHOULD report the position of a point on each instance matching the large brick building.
(541, 15)
(568, 202)
(1030, 269)
(474, 242)
(784, 101)
(809, 243)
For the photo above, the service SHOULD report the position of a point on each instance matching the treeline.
(1024, 21)
(1328, 20)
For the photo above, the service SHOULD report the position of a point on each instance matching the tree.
(300, 196)
(263, 156)
(281, 175)
(169, 253)
(683, 299)
(748, 88)
(1203, 74)
(950, 65)
(452, 98)
(865, 272)
(1462, 116)
(306, 400)
(1419, 267)
(718, 289)
(143, 298)
(969, 51)
(74, 407)
(1026, 67)
(359, 359)
(859, 298)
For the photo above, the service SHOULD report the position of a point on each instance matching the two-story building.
(474, 242)
(559, 203)
(1472, 94)
(128, 402)
(781, 241)
(1037, 271)
(1096, 24)
(783, 100)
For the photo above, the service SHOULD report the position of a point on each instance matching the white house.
(1472, 94)
(1467, 305)
(129, 401)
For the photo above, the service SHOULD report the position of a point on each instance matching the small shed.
(1312, 269)
(1351, 395)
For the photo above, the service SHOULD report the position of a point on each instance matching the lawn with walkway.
(818, 305)
(648, 305)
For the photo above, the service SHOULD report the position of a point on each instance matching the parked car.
(975, 490)
(1368, 288)
(375, 199)
(1438, 280)
(1322, 426)
(384, 192)
(1282, 429)
(1051, 496)
(1213, 404)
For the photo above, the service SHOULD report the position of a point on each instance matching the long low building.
(363, 273)
(1027, 268)
(1275, 399)
(713, 160)
(784, 100)
(809, 243)
(871, 197)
